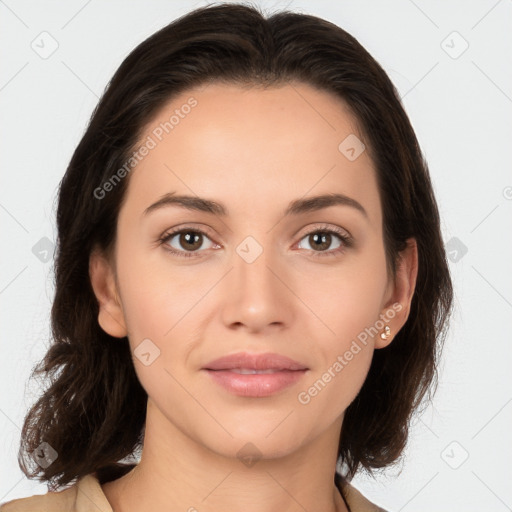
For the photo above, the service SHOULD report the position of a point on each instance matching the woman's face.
(272, 273)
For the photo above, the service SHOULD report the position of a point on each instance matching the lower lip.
(256, 385)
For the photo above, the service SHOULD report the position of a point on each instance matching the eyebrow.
(296, 207)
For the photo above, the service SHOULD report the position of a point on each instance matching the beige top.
(86, 495)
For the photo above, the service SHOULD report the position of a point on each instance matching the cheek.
(345, 307)
(330, 391)
(162, 303)
(345, 300)
(344, 351)
(156, 292)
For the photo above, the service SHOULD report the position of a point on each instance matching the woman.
(251, 283)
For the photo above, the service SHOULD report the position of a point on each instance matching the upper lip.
(267, 361)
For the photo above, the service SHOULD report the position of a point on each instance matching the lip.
(266, 361)
(285, 373)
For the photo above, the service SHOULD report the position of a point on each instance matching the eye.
(187, 242)
(190, 239)
(322, 238)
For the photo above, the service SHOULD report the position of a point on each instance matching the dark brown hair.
(92, 412)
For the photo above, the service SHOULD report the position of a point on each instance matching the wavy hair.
(92, 410)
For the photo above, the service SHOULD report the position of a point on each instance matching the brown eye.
(190, 240)
(184, 241)
(321, 241)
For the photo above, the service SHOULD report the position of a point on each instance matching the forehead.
(253, 149)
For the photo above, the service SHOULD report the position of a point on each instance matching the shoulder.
(62, 501)
(83, 496)
(356, 500)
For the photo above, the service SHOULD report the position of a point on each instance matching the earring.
(385, 335)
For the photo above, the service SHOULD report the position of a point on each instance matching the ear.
(400, 292)
(111, 315)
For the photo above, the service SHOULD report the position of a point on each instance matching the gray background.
(460, 103)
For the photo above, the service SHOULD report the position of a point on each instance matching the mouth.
(248, 382)
(255, 375)
(252, 371)
(244, 362)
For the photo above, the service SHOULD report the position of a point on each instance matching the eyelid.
(191, 226)
(209, 231)
(328, 227)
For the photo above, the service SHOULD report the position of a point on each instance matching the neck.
(178, 473)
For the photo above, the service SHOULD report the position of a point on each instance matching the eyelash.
(347, 241)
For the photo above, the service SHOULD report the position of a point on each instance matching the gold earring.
(385, 335)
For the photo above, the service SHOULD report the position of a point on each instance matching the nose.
(257, 295)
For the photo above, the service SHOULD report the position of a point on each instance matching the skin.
(254, 151)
